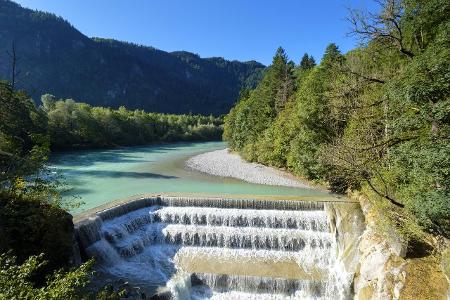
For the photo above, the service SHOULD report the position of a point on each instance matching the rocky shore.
(226, 164)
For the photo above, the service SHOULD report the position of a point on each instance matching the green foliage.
(32, 220)
(36, 231)
(312, 116)
(376, 118)
(79, 125)
(256, 110)
(23, 139)
(421, 96)
(307, 62)
(16, 283)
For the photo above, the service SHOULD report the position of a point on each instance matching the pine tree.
(307, 62)
(284, 77)
(332, 55)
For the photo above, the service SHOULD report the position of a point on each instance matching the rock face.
(347, 224)
(385, 272)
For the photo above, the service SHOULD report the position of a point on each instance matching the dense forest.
(53, 57)
(73, 125)
(376, 119)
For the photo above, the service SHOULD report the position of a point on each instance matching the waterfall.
(244, 237)
(225, 283)
(202, 248)
(307, 220)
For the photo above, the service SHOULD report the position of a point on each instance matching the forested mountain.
(374, 120)
(53, 57)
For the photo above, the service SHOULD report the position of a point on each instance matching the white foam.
(307, 259)
(245, 237)
(146, 246)
(203, 292)
(307, 220)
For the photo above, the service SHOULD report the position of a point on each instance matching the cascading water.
(220, 248)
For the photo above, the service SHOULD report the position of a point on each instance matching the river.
(96, 177)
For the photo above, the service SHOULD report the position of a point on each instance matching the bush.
(16, 283)
(29, 226)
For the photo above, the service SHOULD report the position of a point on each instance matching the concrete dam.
(216, 248)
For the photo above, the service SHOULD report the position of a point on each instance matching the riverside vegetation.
(79, 125)
(36, 231)
(376, 119)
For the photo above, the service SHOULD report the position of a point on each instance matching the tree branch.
(383, 26)
(393, 201)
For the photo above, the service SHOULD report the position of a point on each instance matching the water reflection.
(118, 174)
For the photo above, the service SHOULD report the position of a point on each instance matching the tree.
(284, 77)
(398, 139)
(79, 125)
(375, 119)
(48, 102)
(332, 56)
(307, 62)
(23, 140)
(14, 60)
(254, 113)
(384, 27)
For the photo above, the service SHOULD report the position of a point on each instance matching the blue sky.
(233, 29)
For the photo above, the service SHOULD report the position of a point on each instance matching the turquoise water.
(100, 176)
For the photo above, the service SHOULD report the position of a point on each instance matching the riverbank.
(225, 164)
(383, 265)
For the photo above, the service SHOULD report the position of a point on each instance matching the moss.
(366, 293)
(424, 280)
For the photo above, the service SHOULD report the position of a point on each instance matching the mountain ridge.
(56, 58)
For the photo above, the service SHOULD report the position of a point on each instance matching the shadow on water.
(76, 186)
(118, 155)
(119, 174)
(77, 192)
(88, 159)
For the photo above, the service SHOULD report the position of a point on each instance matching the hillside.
(375, 119)
(54, 57)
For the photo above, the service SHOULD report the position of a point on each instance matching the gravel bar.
(226, 164)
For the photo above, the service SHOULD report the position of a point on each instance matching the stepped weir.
(202, 248)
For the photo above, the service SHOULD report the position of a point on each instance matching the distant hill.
(54, 57)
